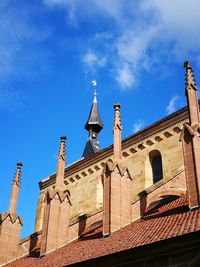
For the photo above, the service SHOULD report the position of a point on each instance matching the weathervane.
(94, 83)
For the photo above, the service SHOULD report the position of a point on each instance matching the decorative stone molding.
(52, 193)
(13, 218)
(167, 133)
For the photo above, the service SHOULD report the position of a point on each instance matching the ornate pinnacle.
(62, 150)
(117, 106)
(17, 178)
(63, 138)
(187, 64)
(15, 189)
(189, 77)
(61, 163)
(191, 94)
(117, 131)
(117, 118)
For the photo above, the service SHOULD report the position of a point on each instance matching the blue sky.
(51, 50)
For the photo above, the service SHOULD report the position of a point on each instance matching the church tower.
(94, 125)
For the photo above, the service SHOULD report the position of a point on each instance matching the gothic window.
(156, 165)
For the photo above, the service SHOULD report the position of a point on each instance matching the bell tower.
(94, 125)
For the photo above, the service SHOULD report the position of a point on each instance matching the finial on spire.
(19, 165)
(189, 77)
(94, 83)
(15, 189)
(187, 64)
(117, 106)
(63, 138)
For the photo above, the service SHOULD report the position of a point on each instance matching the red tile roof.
(170, 220)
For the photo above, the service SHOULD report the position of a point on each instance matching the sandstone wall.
(86, 186)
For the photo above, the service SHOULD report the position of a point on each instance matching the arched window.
(156, 165)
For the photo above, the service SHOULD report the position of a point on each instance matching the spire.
(94, 122)
(117, 185)
(10, 224)
(189, 77)
(94, 125)
(117, 131)
(190, 140)
(61, 162)
(191, 94)
(15, 189)
(56, 209)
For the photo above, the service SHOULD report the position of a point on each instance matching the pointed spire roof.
(94, 121)
(189, 77)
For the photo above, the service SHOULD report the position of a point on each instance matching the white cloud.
(70, 6)
(21, 56)
(144, 33)
(125, 77)
(92, 62)
(18, 36)
(137, 126)
(76, 9)
(173, 104)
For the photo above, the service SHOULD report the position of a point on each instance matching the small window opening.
(156, 165)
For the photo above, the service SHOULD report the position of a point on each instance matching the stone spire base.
(56, 220)
(10, 227)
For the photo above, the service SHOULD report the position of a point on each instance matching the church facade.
(134, 203)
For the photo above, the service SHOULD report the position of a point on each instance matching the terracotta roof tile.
(170, 220)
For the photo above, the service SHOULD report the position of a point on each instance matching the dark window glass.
(156, 163)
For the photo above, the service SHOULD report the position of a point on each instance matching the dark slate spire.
(92, 146)
(93, 125)
(94, 122)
